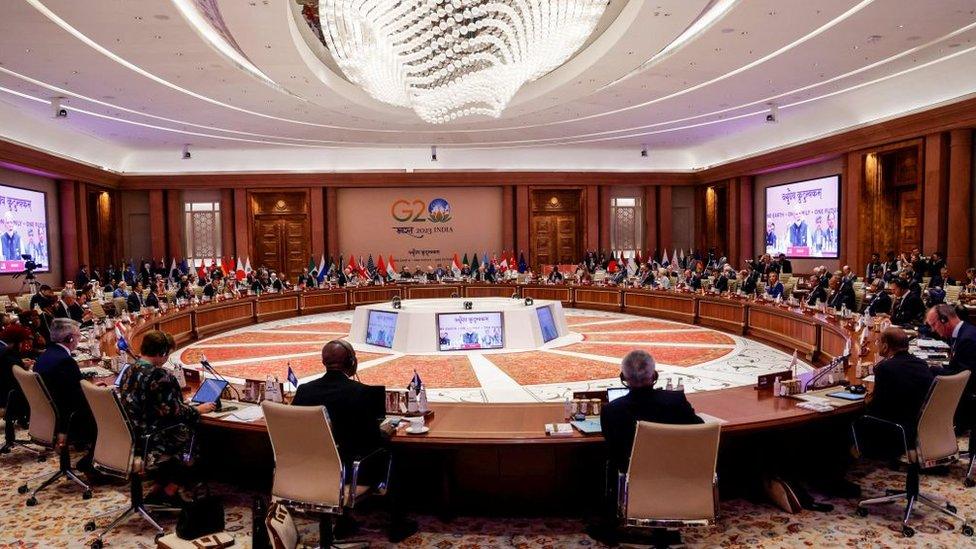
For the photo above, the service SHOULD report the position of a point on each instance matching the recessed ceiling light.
(874, 38)
(956, 45)
(727, 30)
(161, 17)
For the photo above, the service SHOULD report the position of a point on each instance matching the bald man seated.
(901, 385)
(619, 418)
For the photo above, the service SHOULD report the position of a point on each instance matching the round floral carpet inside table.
(699, 358)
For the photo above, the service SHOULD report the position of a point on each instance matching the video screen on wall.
(803, 218)
(380, 328)
(547, 324)
(24, 217)
(464, 331)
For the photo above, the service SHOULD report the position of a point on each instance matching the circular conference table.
(497, 453)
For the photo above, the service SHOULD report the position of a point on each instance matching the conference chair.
(936, 446)
(671, 481)
(97, 310)
(952, 293)
(309, 476)
(10, 440)
(23, 301)
(121, 305)
(119, 454)
(43, 432)
(282, 531)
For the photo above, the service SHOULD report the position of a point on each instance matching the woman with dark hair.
(153, 401)
(18, 352)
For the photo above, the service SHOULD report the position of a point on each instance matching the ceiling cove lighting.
(447, 59)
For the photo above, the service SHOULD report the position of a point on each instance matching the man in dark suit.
(62, 377)
(901, 385)
(944, 321)
(355, 413)
(135, 302)
(907, 307)
(643, 403)
(44, 297)
(785, 265)
(68, 307)
(82, 279)
(818, 294)
(878, 300)
(841, 294)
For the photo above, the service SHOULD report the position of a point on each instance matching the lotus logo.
(439, 211)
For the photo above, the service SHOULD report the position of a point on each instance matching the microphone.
(210, 369)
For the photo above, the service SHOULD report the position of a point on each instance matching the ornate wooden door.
(282, 231)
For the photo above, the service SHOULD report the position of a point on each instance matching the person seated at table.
(68, 307)
(62, 377)
(212, 289)
(721, 284)
(877, 301)
(847, 275)
(356, 412)
(961, 336)
(152, 300)
(16, 351)
(619, 418)
(153, 402)
(906, 306)
(405, 273)
(121, 290)
(750, 280)
(942, 279)
(555, 277)
(818, 293)
(841, 294)
(135, 302)
(277, 284)
(620, 276)
(901, 385)
(44, 298)
(774, 288)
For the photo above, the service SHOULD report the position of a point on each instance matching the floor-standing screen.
(24, 217)
(802, 218)
(547, 324)
(380, 328)
(461, 331)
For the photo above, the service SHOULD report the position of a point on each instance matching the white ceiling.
(141, 81)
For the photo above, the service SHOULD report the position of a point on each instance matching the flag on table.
(201, 271)
(311, 263)
(362, 268)
(456, 266)
(612, 266)
(391, 268)
(638, 258)
(323, 267)
(292, 378)
(381, 267)
(464, 262)
(352, 266)
(415, 382)
(475, 263)
(327, 267)
(503, 266)
(522, 265)
(239, 272)
(370, 266)
(674, 257)
(120, 342)
(247, 267)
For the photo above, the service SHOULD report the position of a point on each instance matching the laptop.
(209, 391)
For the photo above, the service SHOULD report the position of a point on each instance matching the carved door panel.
(295, 247)
(909, 220)
(544, 238)
(567, 250)
(267, 243)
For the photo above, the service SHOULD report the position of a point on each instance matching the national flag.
(120, 342)
(638, 258)
(664, 258)
(292, 378)
(201, 271)
(612, 266)
(381, 267)
(362, 268)
(674, 257)
(327, 268)
(464, 262)
(391, 268)
(323, 266)
(456, 265)
(247, 267)
(522, 265)
(370, 266)
(239, 271)
(311, 263)
(475, 263)
(503, 266)
(172, 268)
(353, 267)
(416, 383)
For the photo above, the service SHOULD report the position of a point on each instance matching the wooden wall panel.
(936, 194)
(959, 249)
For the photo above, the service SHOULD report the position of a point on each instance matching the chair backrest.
(281, 527)
(114, 444)
(307, 464)
(952, 293)
(672, 472)
(120, 305)
(23, 301)
(43, 414)
(936, 435)
(96, 308)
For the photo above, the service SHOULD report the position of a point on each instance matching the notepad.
(246, 414)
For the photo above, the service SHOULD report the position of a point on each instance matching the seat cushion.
(220, 539)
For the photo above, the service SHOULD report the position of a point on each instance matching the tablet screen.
(118, 379)
(209, 391)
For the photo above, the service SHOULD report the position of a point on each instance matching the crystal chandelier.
(447, 59)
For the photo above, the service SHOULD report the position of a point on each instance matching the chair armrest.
(875, 419)
(369, 458)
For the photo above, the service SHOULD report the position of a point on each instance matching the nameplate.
(766, 381)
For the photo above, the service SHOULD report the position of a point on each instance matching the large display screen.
(802, 218)
(547, 324)
(24, 217)
(462, 331)
(380, 328)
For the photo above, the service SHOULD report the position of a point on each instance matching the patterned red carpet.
(587, 359)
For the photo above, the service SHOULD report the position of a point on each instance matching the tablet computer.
(118, 379)
(209, 391)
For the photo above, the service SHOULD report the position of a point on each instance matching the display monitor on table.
(24, 240)
(209, 391)
(803, 218)
(465, 331)
(380, 328)
(547, 324)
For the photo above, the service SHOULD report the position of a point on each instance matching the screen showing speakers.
(802, 218)
(463, 331)
(380, 328)
(547, 324)
(24, 217)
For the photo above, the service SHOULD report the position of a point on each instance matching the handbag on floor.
(201, 517)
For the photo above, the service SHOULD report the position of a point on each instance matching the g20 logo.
(418, 211)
